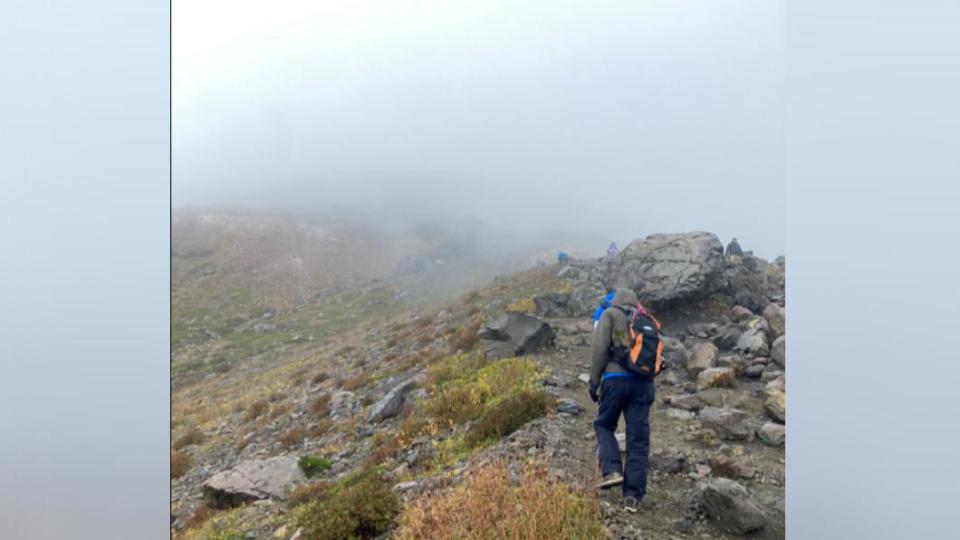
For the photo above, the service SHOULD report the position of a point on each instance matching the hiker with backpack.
(626, 356)
(604, 304)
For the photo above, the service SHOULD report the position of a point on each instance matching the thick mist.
(526, 119)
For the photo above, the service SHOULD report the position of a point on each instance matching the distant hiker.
(733, 248)
(626, 355)
(562, 257)
(604, 304)
(612, 249)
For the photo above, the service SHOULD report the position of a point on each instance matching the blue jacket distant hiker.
(562, 257)
(618, 391)
(604, 304)
(612, 249)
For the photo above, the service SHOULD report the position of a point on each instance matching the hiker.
(733, 248)
(562, 257)
(604, 304)
(619, 388)
(612, 249)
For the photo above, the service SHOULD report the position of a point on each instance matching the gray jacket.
(611, 329)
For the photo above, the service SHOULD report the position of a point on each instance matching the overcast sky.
(615, 118)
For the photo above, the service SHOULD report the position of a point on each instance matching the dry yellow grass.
(491, 506)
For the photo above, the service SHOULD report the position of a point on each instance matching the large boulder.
(729, 505)
(730, 424)
(776, 321)
(778, 351)
(584, 300)
(703, 357)
(390, 404)
(754, 339)
(251, 480)
(667, 269)
(524, 333)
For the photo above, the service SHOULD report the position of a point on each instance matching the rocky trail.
(679, 460)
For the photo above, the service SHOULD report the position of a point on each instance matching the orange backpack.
(643, 355)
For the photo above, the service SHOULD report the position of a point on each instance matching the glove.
(594, 389)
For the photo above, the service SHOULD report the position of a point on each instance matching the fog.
(605, 119)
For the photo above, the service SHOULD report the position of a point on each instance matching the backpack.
(641, 350)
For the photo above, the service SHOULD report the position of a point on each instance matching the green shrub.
(507, 416)
(313, 465)
(360, 506)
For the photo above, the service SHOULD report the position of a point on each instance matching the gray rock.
(732, 361)
(389, 405)
(251, 480)
(716, 377)
(730, 424)
(670, 461)
(729, 505)
(740, 313)
(754, 339)
(584, 378)
(666, 269)
(687, 402)
(754, 371)
(778, 352)
(569, 406)
(726, 339)
(406, 486)
(342, 404)
(525, 333)
(584, 300)
(747, 282)
(679, 414)
(776, 321)
(704, 357)
(776, 406)
(497, 350)
(773, 434)
(552, 305)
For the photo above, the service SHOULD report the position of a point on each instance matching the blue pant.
(631, 397)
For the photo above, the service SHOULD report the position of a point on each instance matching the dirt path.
(666, 510)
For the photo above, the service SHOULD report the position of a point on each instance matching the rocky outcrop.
(524, 333)
(252, 480)
(667, 269)
(754, 339)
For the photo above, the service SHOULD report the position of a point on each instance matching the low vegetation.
(360, 506)
(190, 437)
(491, 505)
(179, 464)
(313, 465)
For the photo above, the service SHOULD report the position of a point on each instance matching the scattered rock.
(728, 466)
(342, 404)
(732, 361)
(670, 461)
(776, 321)
(716, 377)
(569, 406)
(251, 480)
(406, 486)
(526, 333)
(730, 506)
(552, 305)
(703, 357)
(754, 339)
(679, 414)
(776, 406)
(584, 378)
(727, 338)
(740, 313)
(754, 371)
(773, 434)
(389, 405)
(730, 424)
(687, 402)
(778, 352)
(778, 384)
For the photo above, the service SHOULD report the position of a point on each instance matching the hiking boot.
(631, 504)
(610, 480)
